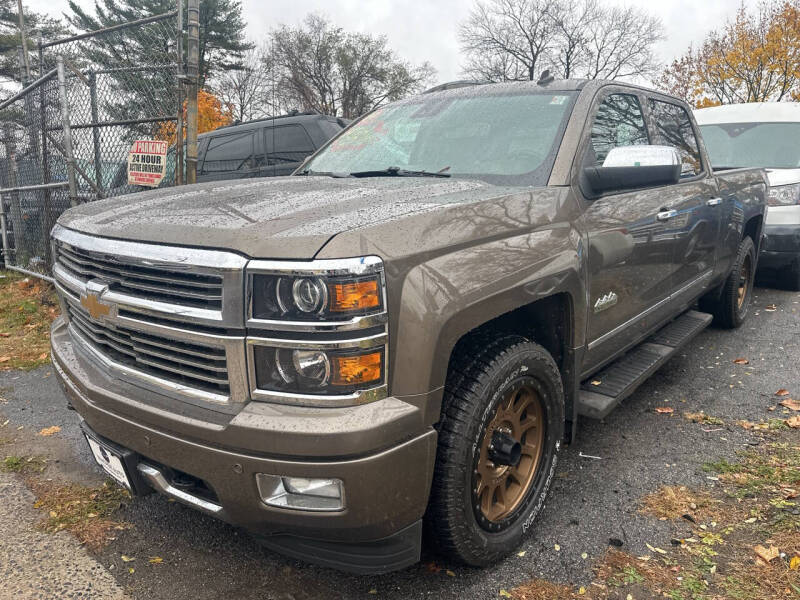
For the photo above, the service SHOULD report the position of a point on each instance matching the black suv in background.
(263, 148)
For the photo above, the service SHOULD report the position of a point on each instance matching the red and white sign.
(147, 162)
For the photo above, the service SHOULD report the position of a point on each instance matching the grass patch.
(672, 502)
(84, 511)
(28, 306)
(23, 464)
(703, 419)
(738, 540)
(539, 589)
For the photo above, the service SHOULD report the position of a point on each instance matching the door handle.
(714, 202)
(666, 215)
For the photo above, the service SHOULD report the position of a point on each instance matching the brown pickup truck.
(401, 335)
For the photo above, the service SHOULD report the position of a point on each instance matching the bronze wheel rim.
(500, 489)
(744, 282)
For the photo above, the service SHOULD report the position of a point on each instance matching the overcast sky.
(420, 30)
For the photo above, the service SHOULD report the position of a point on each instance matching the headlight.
(317, 331)
(319, 372)
(784, 195)
(349, 288)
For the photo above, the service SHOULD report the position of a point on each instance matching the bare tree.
(506, 39)
(620, 44)
(247, 91)
(322, 67)
(517, 39)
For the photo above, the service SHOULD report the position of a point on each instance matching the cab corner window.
(619, 122)
(674, 128)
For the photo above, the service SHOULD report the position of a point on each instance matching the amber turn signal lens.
(354, 296)
(354, 370)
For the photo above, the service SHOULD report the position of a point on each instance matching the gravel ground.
(593, 499)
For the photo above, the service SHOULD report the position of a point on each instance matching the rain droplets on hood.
(288, 208)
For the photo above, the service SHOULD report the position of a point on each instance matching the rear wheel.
(731, 307)
(499, 437)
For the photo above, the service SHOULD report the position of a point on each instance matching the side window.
(619, 122)
(287, 144)
(674, 128)
(229, 153)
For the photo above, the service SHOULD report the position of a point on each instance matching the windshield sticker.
(558, 100)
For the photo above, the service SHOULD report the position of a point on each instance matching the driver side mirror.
(629, 167)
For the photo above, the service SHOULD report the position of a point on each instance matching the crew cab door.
(630, 257)
(693, 207)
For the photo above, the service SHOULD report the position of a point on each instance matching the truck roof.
(750, 112)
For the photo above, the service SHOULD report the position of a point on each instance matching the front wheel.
(731, 307)
(500, 433)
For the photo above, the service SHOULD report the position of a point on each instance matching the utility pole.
(24, 39)
(193, 72)
(180, 77)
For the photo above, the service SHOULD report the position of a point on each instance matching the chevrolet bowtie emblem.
(92, 302)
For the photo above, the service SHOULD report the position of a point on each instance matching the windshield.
(500, 138)
(768, 145)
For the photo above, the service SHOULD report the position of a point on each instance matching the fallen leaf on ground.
(4, 334)
(790, 404)
(665, 410)
(766, 554)
(794, 564)
(654, 549)
(450, 573)
(43, 355)
(596, 382)
(782, 392)
(505, 594)
(741, 361)
(48, 431)
(154, 560)
(4, 359)
(771, 308)
(127, 558)
(794, 422)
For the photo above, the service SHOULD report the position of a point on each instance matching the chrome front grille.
(201, 367)
(159, 284)
(168, 318)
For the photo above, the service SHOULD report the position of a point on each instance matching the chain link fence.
(65, 138)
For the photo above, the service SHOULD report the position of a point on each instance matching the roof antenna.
(545, 78)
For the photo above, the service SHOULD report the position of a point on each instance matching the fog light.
(301, 493)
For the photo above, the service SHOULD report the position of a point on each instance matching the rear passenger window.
(619, 122)
(287, 144)
(674, 128)
(229, 153)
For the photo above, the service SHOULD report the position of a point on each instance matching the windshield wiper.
(398, 172)
(333, 174)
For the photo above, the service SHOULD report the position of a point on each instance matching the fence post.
(23, 36)
(15, 205)
(193, 68)
(4, 234)
(98, 165)
(70, 157)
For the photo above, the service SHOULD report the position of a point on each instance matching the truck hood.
(778, 177)
(281, 217)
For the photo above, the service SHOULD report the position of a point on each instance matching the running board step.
(600, 394)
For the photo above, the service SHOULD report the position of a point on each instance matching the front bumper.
(781, 246)
(386, 486)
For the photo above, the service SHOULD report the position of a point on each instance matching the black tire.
(480, 378)
(729, 307)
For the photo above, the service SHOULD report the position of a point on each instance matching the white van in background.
(764, 134)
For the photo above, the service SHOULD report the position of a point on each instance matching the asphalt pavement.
(595, 496)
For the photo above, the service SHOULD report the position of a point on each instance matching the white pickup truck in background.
(764, 134)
